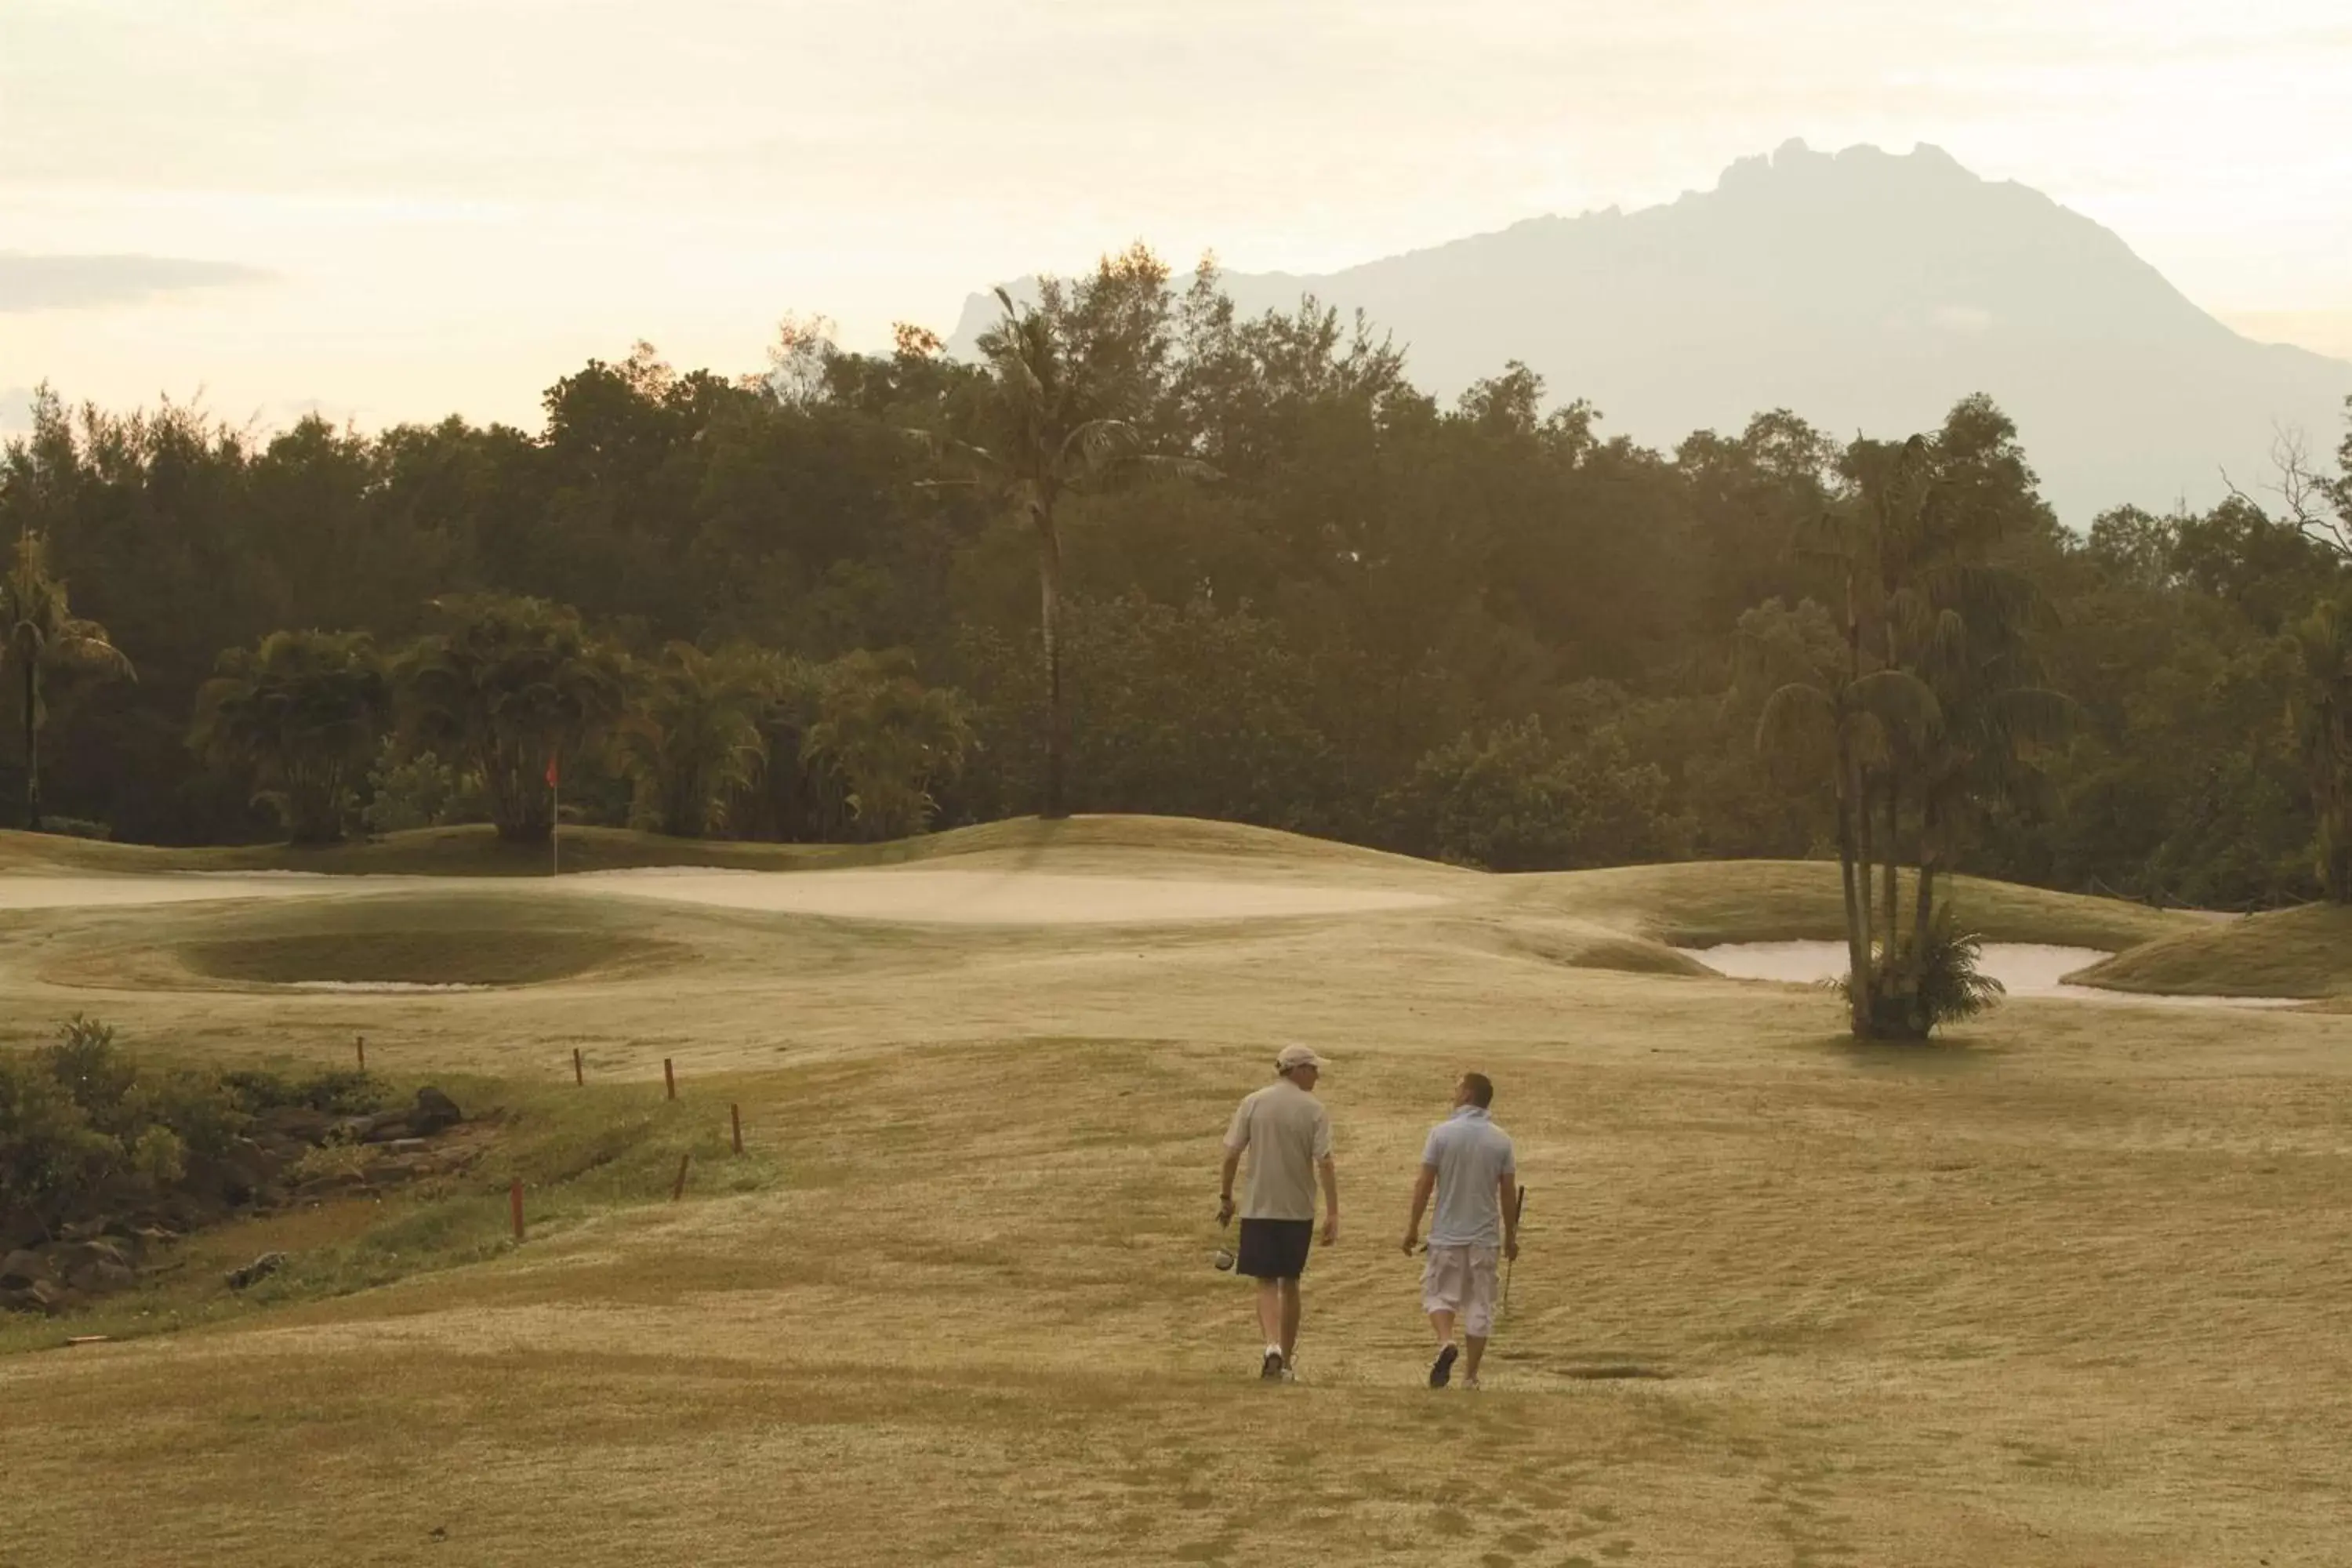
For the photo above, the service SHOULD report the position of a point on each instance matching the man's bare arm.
(1225, 1186)
(1330, 1175)
(1422, 1185)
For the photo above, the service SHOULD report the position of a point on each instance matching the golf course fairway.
(2063, 1287)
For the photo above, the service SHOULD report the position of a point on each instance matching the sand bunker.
(984, 898)
(2024, 968)
(399, 987)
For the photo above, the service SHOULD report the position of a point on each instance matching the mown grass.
(2302, 952)
(436, 955)
(2060, 1288)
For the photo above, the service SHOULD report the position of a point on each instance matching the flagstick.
(554, 822)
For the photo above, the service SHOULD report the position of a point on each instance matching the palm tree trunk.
(1057, 714)
(32, 746)
(1854, 833)
(1923, 913)
(1855, 872)
(1894, 937)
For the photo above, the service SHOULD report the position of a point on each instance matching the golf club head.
(1224, 1260)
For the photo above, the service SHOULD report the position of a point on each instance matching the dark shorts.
(1274, 1248)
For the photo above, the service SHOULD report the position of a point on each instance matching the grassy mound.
(1702, 904)
(475, 851)
(483, 956)
(1579, 944)
(2295, 953)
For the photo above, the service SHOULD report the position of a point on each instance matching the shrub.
(88, 1066)
(83, 1129)
(1512, 799)
(417, 791)
(48, 1150)
(337, 1092)
(1949, 985)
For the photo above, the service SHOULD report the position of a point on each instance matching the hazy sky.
(400, 208)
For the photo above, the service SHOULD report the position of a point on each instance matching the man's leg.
(1269, 1312)
(1290, 1319)
(1441, 1288)
(1478, 1311)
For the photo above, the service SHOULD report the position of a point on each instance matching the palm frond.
(1794, 715)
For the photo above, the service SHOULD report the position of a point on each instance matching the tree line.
(1149, 554)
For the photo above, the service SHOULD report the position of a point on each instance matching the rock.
(299, 1123)
(41, 1295)
(70, 1258)
(21, 1267)
(434, 1112)
(280, 1147)
(261, 1268)
(99, 1275)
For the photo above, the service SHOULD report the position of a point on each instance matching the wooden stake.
(670, 1078)
(578, 1075)
(678, 1190)
(359, 1043)
(735, 1114)
(514, 1206)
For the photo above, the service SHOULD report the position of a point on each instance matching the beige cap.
(1297, 1057)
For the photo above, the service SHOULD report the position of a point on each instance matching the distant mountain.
(1866, 291)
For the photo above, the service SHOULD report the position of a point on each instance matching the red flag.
(551, 770)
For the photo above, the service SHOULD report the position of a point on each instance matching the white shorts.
(1462, 1280)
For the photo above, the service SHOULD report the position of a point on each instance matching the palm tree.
(510, 687)
(38, 634)
(303, 712)
(889, 739)
(2320, 650)
(1830, 704)
(692, 739)
(1061, 422)
(1921, 699)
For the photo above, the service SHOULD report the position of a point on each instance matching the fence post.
(514, 1206)
(359, 1044)
(678, 1190)
(578, 1075)
(735, 1115)
(670, 1078)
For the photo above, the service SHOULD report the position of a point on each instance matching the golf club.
(1519, 1207)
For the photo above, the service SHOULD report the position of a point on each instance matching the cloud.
(88, 282)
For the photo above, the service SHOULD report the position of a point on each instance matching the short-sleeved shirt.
(1471, 1156)
(1286, 1131)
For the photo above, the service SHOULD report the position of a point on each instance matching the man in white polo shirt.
(1288, 1134)
(1468, 1161)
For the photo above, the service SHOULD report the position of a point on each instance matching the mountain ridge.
(1862, 290)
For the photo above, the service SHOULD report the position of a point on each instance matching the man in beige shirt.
(1288, 1134)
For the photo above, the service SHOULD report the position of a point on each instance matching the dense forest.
(1278, 584)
